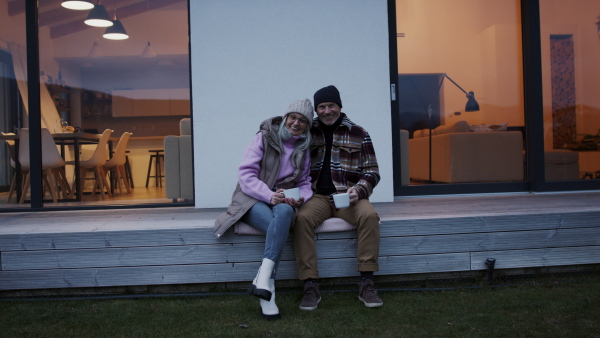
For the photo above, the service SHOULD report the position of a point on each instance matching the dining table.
(64, 140)
(76, 140)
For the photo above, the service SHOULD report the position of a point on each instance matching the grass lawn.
(549, 309)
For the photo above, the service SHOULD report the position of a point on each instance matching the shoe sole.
(270, 317)
(370, 304)
(260, 293)
(307, 308)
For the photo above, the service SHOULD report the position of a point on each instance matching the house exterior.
(532, 65)
(247, 61)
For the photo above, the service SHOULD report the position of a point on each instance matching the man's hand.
(293, 202)
(353, 195)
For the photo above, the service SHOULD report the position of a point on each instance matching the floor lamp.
(472, 105)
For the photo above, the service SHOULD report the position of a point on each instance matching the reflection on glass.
(571, 80)
(113, 85)
(479, 49)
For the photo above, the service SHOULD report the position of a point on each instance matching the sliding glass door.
(132, 78)
(460, 96)
(9, 111)
(570, 45)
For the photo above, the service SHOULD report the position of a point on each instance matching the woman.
(276, 159)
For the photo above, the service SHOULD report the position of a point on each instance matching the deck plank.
(181, 254)
(44, 250)
(537, 257)
(214, 273)
(188, 236)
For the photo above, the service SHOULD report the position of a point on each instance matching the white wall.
(251, 59)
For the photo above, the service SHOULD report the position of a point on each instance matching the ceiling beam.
(122, 13)
(16, 7)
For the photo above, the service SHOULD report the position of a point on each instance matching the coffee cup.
(292, 193)
(341, 200)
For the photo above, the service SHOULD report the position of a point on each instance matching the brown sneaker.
(368, 294)
(311, 297)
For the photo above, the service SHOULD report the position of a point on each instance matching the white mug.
(341, 200)
(292, 193)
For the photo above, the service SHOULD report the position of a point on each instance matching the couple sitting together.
(321, 157)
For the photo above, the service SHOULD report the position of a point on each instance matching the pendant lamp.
(95, 52)
(116, 31)
(98, 17)
(148, 52)
(77, 5)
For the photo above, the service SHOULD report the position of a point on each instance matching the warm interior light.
(77, 5)
(98, 17)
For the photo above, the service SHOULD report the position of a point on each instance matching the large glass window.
(8, 112)
(91, 83)
(570, 42)
(461, 91)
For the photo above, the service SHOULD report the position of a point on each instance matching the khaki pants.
(316, 211)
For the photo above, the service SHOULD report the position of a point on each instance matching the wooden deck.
(142, 247)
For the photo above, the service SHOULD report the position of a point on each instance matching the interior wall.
(168, 38)
(250, 60)
(477, 44)
(12, 28)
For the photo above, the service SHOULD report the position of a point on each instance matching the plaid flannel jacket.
(353, 161)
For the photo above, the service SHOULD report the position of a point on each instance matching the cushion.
(489, 127)
(419, 133)
(561, 156)
(333, 224)
(457, 127)
(242, 228)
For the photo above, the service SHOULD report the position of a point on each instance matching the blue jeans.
(275, 221)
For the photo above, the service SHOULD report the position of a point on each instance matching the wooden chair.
(95, 164)
(10, 146)
(53, 165)
(116, 164)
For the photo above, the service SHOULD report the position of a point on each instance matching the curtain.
(49, 113)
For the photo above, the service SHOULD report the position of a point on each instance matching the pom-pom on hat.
(327, 94)
(303, 107)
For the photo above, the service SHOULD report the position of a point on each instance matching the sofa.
(462, 153)
(179, 176)
(561, 164)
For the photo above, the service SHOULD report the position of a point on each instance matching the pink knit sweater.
(250, 166)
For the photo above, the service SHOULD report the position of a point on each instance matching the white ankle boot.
(269, 309)
(260, 286)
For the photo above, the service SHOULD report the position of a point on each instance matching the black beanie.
(327, 94)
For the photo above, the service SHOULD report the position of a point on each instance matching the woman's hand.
(277, 197)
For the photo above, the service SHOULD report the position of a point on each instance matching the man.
(342, 160)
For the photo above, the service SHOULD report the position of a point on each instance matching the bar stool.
(159, 159)
(127, 166)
